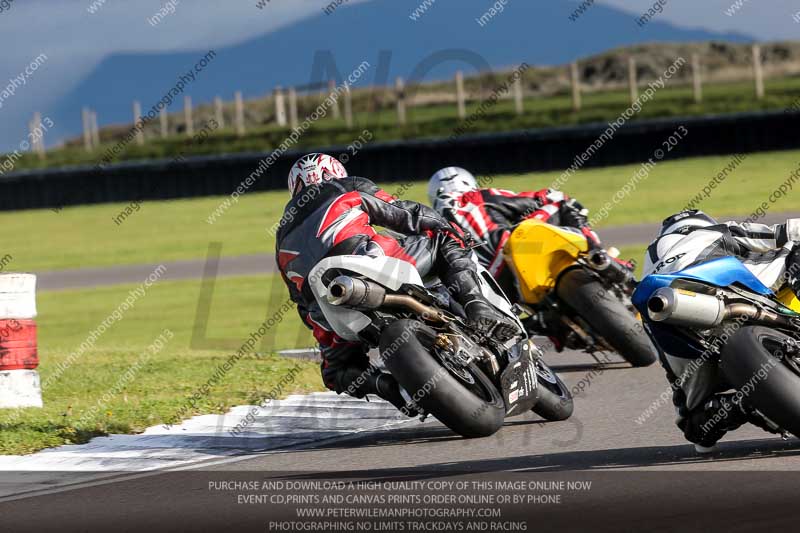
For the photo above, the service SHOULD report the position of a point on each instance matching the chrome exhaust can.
(685, 308)
(355, 292)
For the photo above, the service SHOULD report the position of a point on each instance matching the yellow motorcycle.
(577, 295)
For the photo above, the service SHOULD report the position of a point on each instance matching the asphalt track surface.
(644, 475)
(265, 263)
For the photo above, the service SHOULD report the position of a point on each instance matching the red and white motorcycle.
(446, 368)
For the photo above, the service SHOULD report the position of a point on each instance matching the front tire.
(555, 399)
(407, 349)
(749, 361)
(607, 315)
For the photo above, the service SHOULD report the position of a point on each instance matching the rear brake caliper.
(454, 355)
(790, 349)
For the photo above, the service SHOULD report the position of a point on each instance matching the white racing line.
(295, 422)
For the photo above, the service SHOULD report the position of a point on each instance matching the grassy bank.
(87, 398)
(166, 231)
(441, 121)
(120, 385)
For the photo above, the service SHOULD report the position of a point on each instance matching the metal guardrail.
(514, 152)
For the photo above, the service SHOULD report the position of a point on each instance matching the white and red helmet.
(450, 180)
(314, 168)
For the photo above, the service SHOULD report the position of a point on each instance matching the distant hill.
(606, 71)
(539, 33)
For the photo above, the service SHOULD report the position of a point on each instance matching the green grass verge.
(92, 397)
(437, 121)
(165, 231)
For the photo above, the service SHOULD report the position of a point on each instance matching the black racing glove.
(574, 215)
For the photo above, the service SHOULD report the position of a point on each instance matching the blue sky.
(75, 41)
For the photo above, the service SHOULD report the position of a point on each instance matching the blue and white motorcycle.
(719, 328)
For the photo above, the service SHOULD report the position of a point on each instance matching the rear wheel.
(607, 315)
(752, 362)
(555, 400)
(463, 399)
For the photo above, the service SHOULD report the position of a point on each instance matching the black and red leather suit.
(336, 217)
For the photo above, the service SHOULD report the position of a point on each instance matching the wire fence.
(403, 103)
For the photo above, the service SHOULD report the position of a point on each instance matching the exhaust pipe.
(603, 263)
(363, 294)
(355, 292)
(599, 260)
(686, 308)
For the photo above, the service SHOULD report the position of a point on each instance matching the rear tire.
(407, 349)
(555, 399)
(607, 315)
(776, 395)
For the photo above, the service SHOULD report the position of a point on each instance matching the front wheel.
(555, 399)
(607, 315)
(463, 399)
(753, 362)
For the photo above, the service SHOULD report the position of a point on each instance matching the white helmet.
(691, 218)
(450, 180)
(314, 168)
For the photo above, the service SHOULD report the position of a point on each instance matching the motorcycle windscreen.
(538, 252)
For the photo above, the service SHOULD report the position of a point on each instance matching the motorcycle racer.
(490, 214)
(331, 213)
(692, 237)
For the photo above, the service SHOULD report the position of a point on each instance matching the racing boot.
(481, 314)
(709, 423)
(794, 283)
(793, 271)
(386, 387)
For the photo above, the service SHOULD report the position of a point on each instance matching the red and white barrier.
(19, 358)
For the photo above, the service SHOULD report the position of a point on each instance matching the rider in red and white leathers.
(490, 214)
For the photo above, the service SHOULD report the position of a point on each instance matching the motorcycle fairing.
(788, 298)
(520, 385)
(390, 272)
(679, 352)
(538, 253)
(722, 272)
(492, 292)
